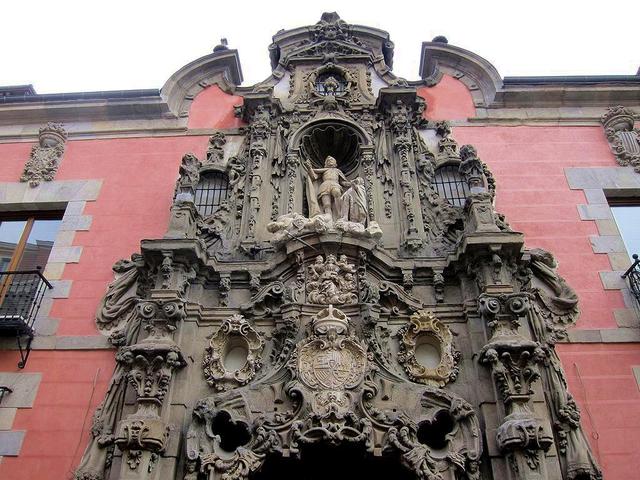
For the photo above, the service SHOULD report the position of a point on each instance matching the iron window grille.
(321, 86)
(450, 185)
(21, 295)
(633, 277)
(212, 191)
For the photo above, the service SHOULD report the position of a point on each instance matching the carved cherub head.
(330, 162)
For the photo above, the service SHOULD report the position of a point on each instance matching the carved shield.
(334, 367)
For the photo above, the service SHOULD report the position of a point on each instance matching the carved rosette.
(46, 155)
(425, 328)
(235, 337)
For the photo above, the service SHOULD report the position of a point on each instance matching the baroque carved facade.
(334, 297)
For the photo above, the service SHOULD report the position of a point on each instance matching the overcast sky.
(67, 46)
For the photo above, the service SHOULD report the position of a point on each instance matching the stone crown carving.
(623, 139)
(45, 155)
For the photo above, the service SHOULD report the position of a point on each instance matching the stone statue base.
(293, 225)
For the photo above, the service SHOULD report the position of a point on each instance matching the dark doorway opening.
(345, 462)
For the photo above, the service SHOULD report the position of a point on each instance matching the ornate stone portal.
(331, 297)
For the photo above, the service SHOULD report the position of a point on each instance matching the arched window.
(450, 185)
(212, 190)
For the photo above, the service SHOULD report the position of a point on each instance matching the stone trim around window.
(598, 184)
(72, 196)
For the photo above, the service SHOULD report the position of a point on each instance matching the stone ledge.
(592, 178)
(608, 335)
(52, 342)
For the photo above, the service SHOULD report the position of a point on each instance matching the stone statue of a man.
(327, 198)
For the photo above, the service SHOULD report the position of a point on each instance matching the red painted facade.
(528, 163)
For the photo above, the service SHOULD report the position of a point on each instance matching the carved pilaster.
(514, 362)
(403, 145)
(259, 135)
(46, 155)
(149, 366)
(293, 163)
(367, 162)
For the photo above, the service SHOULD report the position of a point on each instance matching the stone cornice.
(491, 92)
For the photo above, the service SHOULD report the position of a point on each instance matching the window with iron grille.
(331, 83)
(450, 185)
(211, 192)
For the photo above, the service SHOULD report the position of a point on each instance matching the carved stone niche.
(234, 354)
(426, 350)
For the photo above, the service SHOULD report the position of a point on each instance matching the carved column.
(367, 162)
(514, 361)
(150, 363)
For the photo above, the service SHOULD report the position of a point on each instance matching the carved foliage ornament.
(45, 156)
(234, 354)
(424, 330)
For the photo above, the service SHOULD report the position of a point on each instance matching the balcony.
(633, 277)
(21, 294)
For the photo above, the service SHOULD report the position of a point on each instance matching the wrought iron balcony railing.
(633, 277)
(21, 294)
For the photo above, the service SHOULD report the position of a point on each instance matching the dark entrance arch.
(343, 462)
